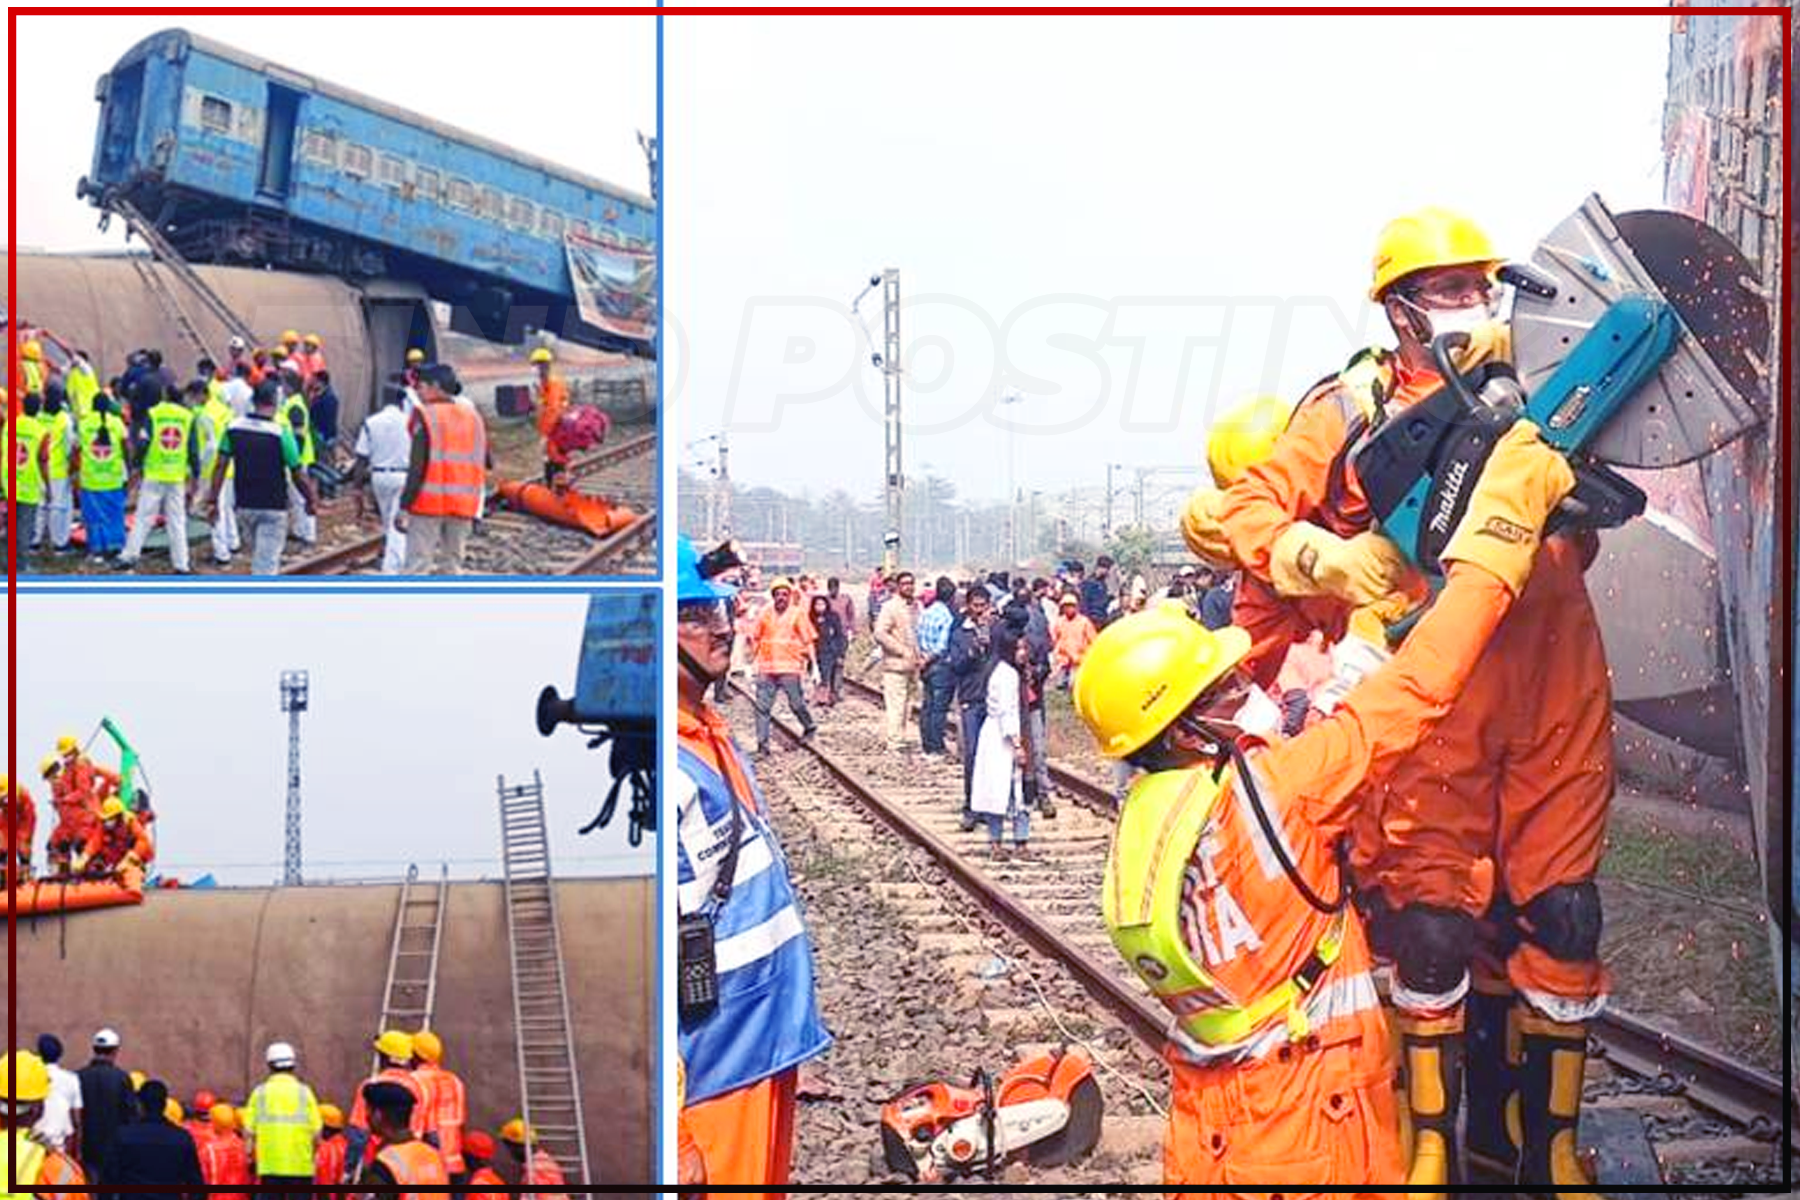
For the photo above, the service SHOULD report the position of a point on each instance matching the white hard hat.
(238, 343)
(106, 1039)
(279, 1054)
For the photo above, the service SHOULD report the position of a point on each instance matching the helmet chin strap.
(693, 667)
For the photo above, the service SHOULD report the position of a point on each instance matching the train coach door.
(282, 116)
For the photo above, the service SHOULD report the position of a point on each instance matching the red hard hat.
(203, 1101)
(478, 1144)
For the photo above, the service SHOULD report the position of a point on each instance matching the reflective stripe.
(1334, 1001)
(455, 474)
(759, 941)
(30, 1155)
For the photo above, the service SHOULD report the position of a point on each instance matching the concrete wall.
(197, 983)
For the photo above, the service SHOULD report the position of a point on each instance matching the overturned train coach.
(240, 161)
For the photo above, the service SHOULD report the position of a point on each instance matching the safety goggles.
(711, 615)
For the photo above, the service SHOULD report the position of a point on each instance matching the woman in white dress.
(996, 791)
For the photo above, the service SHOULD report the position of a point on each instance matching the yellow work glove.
(1521, 485)
(1490, 341)
(1309, 561)
(1201, 530)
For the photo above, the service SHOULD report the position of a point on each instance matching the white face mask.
(1259, 716)
(1458, 320)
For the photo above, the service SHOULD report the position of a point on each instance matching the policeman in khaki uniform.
(1223, 888)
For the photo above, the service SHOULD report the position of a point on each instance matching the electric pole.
(293, 703)
(890, 374)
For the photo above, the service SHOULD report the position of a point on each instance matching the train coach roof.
(287, 75)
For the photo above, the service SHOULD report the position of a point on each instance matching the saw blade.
(1709, 390)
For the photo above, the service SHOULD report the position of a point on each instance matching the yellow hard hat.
(1244, 436)
(313, 339)
(5, 782)
(50, 766)
(394, 1044)
(427, 1046)
(516, 1132)
(173, 1111)
(278, 352)
(332, 1116)
(542, 355)
(66, 744)
(288, 335)
(779, 582)
(24, 1077)
(138, 1079)
(1144, 670)
(224, 1118)
(32, 351)
(415, 355)
(1430, 237)
(113, 807)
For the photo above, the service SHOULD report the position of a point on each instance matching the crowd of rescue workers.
(251, 445)
(1314, 711)
(109, 1131)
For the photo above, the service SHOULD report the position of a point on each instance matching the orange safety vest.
(449, 1103)
(60, 1171)
(783, 640)
(224, 1162)
(485, 1177)
(426, 1120)
(414, 1164)
(455, 472)
(329, 1160)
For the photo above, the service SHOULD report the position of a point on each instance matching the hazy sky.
(418, 702)
(574, 90)
(1124, 220)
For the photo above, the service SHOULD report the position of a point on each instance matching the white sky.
(418, 702)
(574, 90)
(1054, 188)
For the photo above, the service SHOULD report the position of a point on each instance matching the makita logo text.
(1440, 520)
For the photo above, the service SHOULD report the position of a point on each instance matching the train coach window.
(215, 114)
(550, 225)
(580, 230)
(491, 205)
(461, 194)
(393, 171)
(358, 160)
(319, 147)
(425, 184)
(521, 214)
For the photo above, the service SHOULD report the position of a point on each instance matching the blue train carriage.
(242, 161)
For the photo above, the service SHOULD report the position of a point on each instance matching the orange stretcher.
(577, 510)
(41, 897)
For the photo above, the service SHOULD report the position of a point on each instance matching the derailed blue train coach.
(241, 161)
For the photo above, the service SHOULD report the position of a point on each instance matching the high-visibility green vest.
(82, 386)
(1159, 827)
(218, 416)
(30, 1157)
(102, 462)
(166, 460)
(304, 434)
(283, 1116)
(57, 430)
(27, 435)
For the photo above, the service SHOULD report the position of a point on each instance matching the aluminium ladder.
(409, 1001)
(549, 1086)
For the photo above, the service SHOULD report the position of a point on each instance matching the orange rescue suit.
(487, 1178)
(553, 401)
(224, 1162)
(1521, 772)
(359, 1111)
(123, 838)
(1272, 1112)
(18, 807)
(1070, 639)
(543, 1172)
(329, 1160)
(448, 1101)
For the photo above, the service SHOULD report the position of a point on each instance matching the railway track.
(511, 543)
(1699, 1118)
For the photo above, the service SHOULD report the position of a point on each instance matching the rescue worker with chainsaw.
(748, 1014)
(1519, 777)
(1224, 888)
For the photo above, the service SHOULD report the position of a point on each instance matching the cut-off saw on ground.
(1633, 344)
(1047, 1108)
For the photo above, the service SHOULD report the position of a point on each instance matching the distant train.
(238, 161)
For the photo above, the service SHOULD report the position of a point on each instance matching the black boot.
(1550, 1077)
(1490, 1071)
